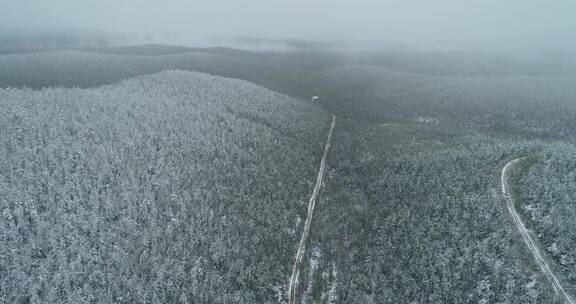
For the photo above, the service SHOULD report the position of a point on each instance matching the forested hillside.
(533, 105)
(537, 105)
(412, 214)
(190, 188)
(372, 93)
(98, 66)
(170, 188)
(546, 189)
(84, 69)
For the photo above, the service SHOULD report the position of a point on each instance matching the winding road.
(527, 239)
(293, 284)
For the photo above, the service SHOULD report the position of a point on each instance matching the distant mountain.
(17, 41)
(85, 69)
(72, 68)
(469, 62)
(534, 104)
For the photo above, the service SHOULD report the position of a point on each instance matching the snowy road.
(293, 284)
(527, 239)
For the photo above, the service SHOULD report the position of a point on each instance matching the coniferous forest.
(164, 174)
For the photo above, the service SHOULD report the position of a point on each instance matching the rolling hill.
(533, 104)
(159, 188)
(281, 72)
(186, 187)
(84, 69)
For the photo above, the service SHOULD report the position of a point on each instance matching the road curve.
(293, 284)
(527, 239)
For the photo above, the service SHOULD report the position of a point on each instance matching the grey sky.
(464, 23)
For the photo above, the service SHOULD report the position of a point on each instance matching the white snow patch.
(314, 260)
(553, 248)
(366, 157)
(532, 283)
(426, 119)
(279, 291)
(292, 231)
(334, 286)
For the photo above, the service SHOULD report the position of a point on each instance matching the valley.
(150, 174)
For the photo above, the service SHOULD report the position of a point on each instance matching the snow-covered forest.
(122, 182)
(546, 190)
(414, 212)
(287, 152)
(175, 187)
(536, 105)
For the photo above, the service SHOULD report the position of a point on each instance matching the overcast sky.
(463, 23)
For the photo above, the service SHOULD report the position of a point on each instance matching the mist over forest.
(287, 151)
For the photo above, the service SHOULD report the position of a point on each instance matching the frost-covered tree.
(174, 187)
